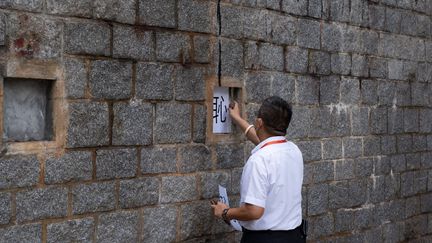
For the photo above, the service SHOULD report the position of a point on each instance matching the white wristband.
(247, 129)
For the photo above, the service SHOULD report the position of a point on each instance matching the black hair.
(276, 114)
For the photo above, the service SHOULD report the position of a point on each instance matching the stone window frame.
(39, 70)
(236, 135)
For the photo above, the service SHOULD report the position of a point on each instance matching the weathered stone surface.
(284, 29)
(110, 79)
(160, 224)
(18, 171)
(88, 124)
(94, 197)
(232, 58)
(232, 22)
(194, 158)
(332, 148)
(359, 66)
(33, 36)
(41, 204)
(178, 189)
(173, 47)
(197, 219)
(307, 90)
(155, 81)
(283, 85)
(296, 59)
(80, 8)
(116, 10)
(196, 16)
(340, 10)
(133, 42)
(29, 233)
(29, 5)
(87, 38)
(377, 17)
(393, 19)
(330, 90)
(350, 90)
(190, 83)
(118, 227)
(256, 24)
(75, 77)
(311, 150)
(255, 79)
(175, 118)
(229, 156)
(158, 159)
(271, 57)
(199, 123)
(319, 63)
(5, 208)
(295, 7)
(340, 63)
(132, 124)
(309, 34)
(79, 230)
(116, 163)
(2, 29)
(139, 192)
(202, 49)
(317, 199)
(210, 181)
(158, 13)
(72, 166)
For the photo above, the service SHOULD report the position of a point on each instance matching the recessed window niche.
(27, 110)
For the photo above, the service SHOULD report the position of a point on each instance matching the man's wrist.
(225, 215)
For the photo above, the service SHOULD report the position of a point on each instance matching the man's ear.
(259, 123)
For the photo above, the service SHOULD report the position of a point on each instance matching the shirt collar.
(270, 139)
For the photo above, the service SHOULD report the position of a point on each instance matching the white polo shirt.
(272, 178)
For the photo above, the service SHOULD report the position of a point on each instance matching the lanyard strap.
(274, 142)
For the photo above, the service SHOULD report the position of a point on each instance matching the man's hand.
(218, 208)
(234, 111)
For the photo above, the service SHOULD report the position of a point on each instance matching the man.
(272, 178)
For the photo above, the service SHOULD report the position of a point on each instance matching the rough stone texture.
(87, 38)
(158, 159)
(154, 218)
(173, 123)
(189, 83)
(80, 230)
(72, 166)
(110, 79)
(41, 204)
(195, 15)
(194, 158)
(81, 8)
(118, 227)
(116, 163)
(132, 124)
(33, 36)
(158, 13)
(5, 208)
(29, 233)
(88, 124)
(139, 192)
(178, 189)
(116, 10)
(172, 47)
(75, 77)
(18, 171)
(134, 43)
(94, 197)
(134, 161)
(155, 81)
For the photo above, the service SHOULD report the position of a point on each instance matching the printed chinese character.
(220, 109)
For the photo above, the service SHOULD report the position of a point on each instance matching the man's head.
(274, 116)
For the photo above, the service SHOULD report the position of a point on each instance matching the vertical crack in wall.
(219, 19)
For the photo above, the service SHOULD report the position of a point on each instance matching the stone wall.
(133, 158)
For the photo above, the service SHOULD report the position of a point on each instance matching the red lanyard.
(274, 142)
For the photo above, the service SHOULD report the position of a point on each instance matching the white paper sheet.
(223, 197)
(221, 117)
